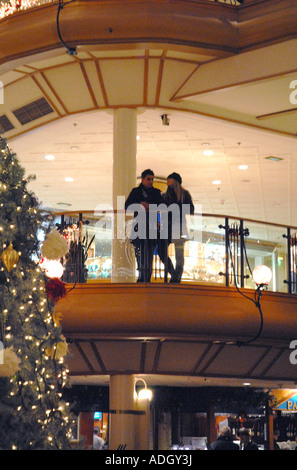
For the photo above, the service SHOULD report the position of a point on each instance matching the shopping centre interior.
(98, 91)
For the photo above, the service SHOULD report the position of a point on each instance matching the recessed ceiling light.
(208, 153)
(207, 150)
(246, 383)
(243, 167)
(49, 157)
(69, 179)
(216, 182)
(273, 158)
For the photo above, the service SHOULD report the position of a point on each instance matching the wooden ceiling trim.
(101, 82)
(98, 357)
(142, 357)
(55, 66)
(160, 76)
(145, 78)
(83, 355)
(200, 359)
(215, 69)
(25, 75)
(259, 361)
(88, 84)
(60, 101)
(285, 112)
(213, 357)
(183, 84)
(45, 94)
(272, 362)
(157, 357)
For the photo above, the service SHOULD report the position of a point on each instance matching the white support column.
(142, 425)
(124, 179)
(129, 423)
(122, 412)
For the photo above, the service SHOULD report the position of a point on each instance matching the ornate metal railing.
(220, 250)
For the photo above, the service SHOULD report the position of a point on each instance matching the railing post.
(80, 258)
(241, 239)
(227, 251)
(289, 260)
(166, 262)
(226, 273)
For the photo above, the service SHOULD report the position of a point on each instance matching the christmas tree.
(33, 414)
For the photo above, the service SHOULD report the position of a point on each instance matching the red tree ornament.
(56, 289)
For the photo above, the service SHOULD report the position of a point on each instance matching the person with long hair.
(176, 195)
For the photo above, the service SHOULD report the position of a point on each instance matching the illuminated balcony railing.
(221, 250)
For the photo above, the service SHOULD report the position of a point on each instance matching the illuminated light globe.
(145, 394)
(52, 268)
(262, 275)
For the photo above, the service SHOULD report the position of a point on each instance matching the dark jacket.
(142, 194)
(223, 443)
(251, 446)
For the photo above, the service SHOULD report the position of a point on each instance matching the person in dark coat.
(245, 442)
(144, 233)
(224, 441)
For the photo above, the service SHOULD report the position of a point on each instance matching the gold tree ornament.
(58, 350)
(9, 257)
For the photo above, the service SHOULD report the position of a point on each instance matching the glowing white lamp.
(53, 268)
(262, 275)
(145, 393)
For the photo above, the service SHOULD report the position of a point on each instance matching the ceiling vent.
(5, 124)
(32, 111)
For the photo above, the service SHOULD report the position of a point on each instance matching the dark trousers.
(144, 253)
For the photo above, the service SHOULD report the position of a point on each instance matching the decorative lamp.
(262, 275)
(52, 268)
(145, 393)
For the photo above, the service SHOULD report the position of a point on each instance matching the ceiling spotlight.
(49, 157)
(69, 179)
(216, 182)
(165, 119)
(207, 152)
(243, 167)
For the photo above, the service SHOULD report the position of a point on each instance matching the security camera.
(165, 119)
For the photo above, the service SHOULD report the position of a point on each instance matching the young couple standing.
(145, 245)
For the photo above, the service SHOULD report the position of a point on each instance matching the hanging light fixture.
(144, 393)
